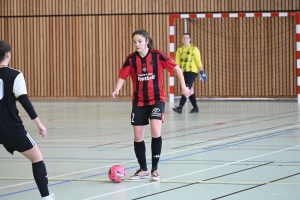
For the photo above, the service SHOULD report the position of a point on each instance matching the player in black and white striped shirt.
(13, 135)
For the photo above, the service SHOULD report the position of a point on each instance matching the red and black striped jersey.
(147, 76)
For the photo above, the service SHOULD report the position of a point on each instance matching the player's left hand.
(42, 130)
(202, 76)
(186, 92)
(114, 94)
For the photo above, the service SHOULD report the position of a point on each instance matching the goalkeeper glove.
(202, 76)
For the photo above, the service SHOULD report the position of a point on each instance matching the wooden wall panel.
(83, 7)
(76, 48)
(77, 56)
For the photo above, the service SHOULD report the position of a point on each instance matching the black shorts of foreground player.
(145, 66)
(13, 135)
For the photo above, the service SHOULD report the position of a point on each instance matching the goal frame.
(172, 18)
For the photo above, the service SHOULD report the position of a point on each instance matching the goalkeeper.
(189, 59)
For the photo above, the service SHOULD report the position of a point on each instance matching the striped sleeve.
(125, 70)
(167, 62)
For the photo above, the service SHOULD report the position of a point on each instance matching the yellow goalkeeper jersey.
(189, 59)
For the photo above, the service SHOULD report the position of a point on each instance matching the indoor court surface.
(230, 150)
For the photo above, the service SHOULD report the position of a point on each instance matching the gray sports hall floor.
(245, 150)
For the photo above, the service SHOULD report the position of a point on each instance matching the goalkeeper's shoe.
(178, 109)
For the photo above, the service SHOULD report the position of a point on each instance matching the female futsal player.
(189, 59)
(13, 135)
(145, 66)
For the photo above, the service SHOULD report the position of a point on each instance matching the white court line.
(161, 154)
(195, 172)
(231, 139)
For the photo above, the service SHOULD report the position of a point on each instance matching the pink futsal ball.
(117, 173)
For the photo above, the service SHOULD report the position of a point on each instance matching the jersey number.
(1, 89)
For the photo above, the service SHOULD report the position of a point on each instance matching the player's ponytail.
(146, 35)
(150, 43)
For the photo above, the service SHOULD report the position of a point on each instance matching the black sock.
(140, 153)
(182, 101)
(193, 100)
(40, 177)
(156, 150)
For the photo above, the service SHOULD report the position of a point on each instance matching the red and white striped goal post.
(172, 18)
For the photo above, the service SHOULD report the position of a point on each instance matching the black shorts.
(21, 141)
(140, 115)
(189, 78)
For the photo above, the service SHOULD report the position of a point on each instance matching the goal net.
(244, 55)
